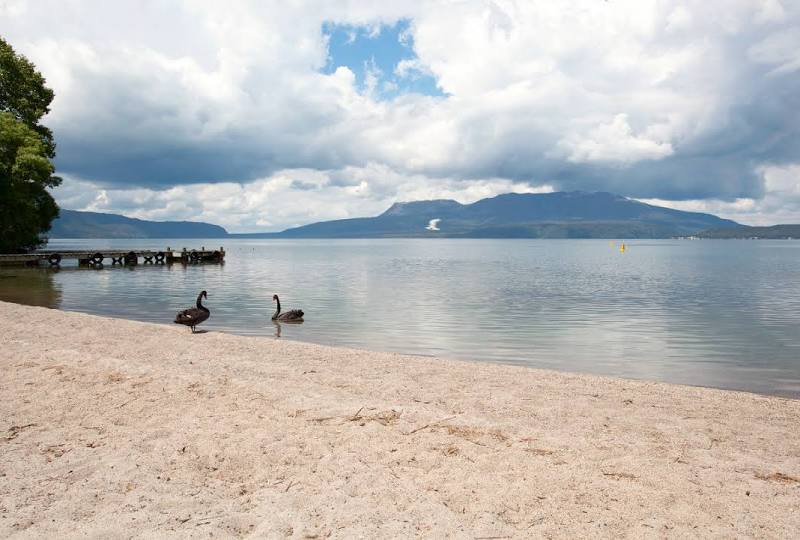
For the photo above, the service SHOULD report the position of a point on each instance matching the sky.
(259, 115)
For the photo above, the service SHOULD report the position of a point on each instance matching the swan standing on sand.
(193, 316)
(293, 315)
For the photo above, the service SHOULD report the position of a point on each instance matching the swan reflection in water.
(279, 324)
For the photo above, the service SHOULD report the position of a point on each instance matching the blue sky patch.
(382, 58)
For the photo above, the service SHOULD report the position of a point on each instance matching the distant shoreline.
(261, 236)
(116, 427)
(574, 214)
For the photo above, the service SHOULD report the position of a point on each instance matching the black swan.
(289, 316)
(193, 316)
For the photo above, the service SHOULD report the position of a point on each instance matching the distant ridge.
(76, 224)
(575, 214)
(775, 232)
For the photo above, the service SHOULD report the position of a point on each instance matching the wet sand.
(117, 429)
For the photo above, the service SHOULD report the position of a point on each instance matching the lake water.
(712, 313)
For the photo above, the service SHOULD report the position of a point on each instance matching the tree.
(26, 208)
(26, 150)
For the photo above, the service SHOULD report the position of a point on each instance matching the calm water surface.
(711, 313)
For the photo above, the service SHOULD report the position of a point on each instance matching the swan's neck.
(200, 302)
(278, 310)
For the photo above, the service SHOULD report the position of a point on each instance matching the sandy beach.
(119, 429)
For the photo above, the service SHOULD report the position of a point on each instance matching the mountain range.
(77, 224)
(518, 215)
(512, 215)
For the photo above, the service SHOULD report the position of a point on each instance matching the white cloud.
(679, 19)
(613, 142)
(781, 50)
(770, 11)
(409, 67)
(648, 98)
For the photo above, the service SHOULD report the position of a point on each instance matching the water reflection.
(289, 323)
(32, 286)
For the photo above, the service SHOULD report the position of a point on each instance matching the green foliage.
(26, 147)
(23, 93)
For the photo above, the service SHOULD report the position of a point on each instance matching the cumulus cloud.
(613, 142)
(779, 204)
(780, 50)
(668, 100)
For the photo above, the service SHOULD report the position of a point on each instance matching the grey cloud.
(230, 107)
(303, 186)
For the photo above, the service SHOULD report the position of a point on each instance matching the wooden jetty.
(96, 258)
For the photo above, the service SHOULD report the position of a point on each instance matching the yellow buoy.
(622, 248)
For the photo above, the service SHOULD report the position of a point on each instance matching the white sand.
(112, 428)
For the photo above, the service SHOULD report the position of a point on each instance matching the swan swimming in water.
(293, 315)
(193, 316)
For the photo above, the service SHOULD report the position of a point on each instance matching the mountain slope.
(520, 215)
(513, 215)
(76, 224)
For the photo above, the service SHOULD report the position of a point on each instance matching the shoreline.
(116, 427)
(793, 395)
